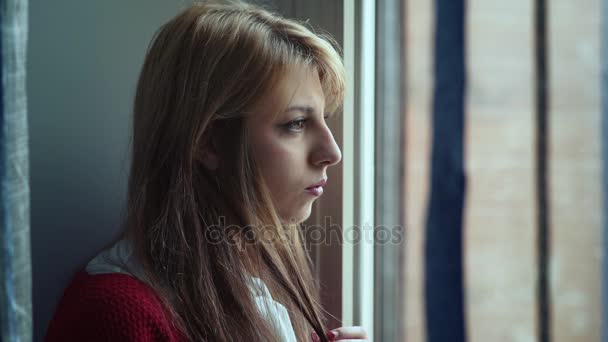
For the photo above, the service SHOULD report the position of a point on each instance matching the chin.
(297, 217)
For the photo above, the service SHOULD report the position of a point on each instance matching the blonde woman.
(230, 150)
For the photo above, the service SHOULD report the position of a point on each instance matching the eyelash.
(291, 124)
(301, 121)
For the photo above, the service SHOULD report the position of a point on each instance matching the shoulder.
(110, 291)
(105, 307)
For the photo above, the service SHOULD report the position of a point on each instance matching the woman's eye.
(295, 125)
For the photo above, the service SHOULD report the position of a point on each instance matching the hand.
(344, 334)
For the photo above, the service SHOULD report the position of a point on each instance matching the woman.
(230, 150)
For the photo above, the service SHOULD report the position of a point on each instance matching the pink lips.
(317, 189)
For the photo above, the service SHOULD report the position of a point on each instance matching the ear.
(209, 153)
(209, 158)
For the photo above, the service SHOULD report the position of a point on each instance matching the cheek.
(284, 168)
(279, 166)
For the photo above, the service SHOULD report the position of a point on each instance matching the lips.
(317, 188)
(319, 184)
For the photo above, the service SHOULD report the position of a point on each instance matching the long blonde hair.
(202, 71)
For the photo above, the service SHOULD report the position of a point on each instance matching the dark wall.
(83, 62)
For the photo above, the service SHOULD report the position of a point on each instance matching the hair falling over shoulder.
(202, 71)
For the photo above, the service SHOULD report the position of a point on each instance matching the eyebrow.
(308, 110)
(303, 109)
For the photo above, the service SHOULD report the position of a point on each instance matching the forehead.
(298, 86)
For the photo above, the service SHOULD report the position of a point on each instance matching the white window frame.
(358, 170)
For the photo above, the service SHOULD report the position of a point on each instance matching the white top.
(119, 259)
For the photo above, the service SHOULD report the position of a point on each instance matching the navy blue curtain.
(444, 293)
(15, 265)
(542, 157)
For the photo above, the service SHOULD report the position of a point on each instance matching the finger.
(346, 333)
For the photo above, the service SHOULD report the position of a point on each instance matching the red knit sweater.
(110, 307)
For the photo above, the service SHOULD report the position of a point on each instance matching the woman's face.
(293, 147)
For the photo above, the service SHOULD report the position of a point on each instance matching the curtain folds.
(444, 283)
(16, 285)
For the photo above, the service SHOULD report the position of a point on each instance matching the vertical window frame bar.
(358, 171)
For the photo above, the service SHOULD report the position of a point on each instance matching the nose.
(326, 152)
